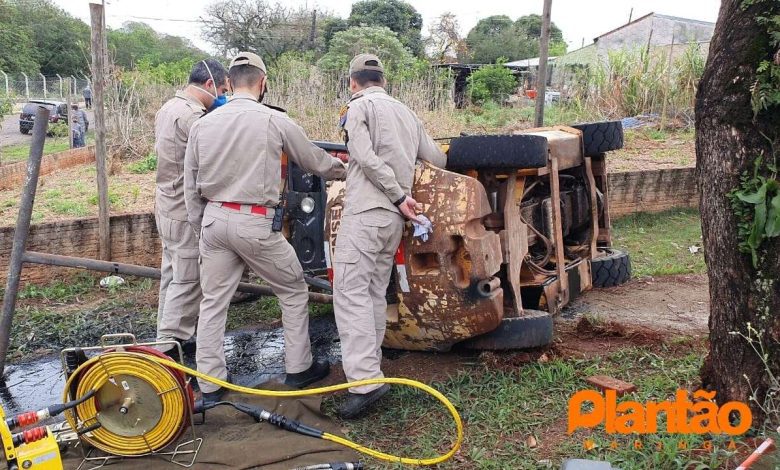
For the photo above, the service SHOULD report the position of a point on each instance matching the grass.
(517, 418)
(649, 148)
(145, 165)
(72, 193)
(20, 152)
(659, 243)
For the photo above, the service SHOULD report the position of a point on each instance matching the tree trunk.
(728, 140)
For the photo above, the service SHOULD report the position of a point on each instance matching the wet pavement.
(253, 356)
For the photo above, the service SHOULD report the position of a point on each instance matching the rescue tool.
(125, 399)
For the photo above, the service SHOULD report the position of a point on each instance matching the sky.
(580, 20)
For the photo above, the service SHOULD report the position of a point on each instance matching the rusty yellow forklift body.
(480, 271)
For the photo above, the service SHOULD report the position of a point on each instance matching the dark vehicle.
(58, 111)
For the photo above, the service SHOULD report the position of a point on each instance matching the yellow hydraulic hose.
(94, 373)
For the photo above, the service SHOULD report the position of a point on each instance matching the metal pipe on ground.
(22, 230)
(141, 271)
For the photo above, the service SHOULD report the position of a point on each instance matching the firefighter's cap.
(366, 62)
(248, 58)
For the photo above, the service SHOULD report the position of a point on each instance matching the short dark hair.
(245, 75)
(368, 77)
(200, 74)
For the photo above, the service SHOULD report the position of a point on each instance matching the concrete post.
(26, 86)
(44, 85)
(7, 90)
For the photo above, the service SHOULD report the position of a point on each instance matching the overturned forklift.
(521, 227)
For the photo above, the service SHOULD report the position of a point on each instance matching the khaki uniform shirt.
(234, 155)
(172, 131)
(385, 140)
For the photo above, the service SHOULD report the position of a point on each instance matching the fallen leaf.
(531, 442)
(543, 359)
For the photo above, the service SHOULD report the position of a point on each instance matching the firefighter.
(232, 184)
(384, 139)
(180, 295)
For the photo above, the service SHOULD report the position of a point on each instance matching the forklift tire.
(532, 330)
(611, 270)
(600, 137)
(483, 152)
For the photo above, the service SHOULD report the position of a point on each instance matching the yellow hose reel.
(143, 403)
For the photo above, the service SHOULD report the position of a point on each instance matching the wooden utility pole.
(313, 32)
(541, 77)
(98, 90)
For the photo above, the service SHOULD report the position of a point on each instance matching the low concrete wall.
(134, 237)
(14, 174)
(134, 240)
(652, 191)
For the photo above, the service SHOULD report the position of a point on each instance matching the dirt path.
(9, 134)
(670, 305)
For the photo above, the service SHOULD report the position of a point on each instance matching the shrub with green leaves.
(59, 129)
(491, 83)
(145, 165)
(756, 203)
(377, 40)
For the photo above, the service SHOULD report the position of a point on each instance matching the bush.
(59, 129)
(377, 40)
(145, 165)
(491, 83)
(6, 106)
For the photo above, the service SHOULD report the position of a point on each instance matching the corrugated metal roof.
(525, 63)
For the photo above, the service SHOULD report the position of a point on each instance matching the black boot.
(316, 372)
(357, 404)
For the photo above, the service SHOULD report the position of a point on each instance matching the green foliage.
(491, 83)
(756, 204)
(59, 291)
(498, 36)
(399, 16)
(6, 105)
(659, 243)
(60, 42)
(330, 26)
(766, 89)
(16, 40)
(113, 198)
(637, 81)
(173, 73)
(378, 40)
(138, 43)
(146, 165)
(59, 129)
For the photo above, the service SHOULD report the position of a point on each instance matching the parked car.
(58, 110)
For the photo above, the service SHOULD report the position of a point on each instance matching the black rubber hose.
(54, 410)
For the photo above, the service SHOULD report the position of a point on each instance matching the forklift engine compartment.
(521, 227)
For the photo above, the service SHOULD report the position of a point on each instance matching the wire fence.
(20, 87)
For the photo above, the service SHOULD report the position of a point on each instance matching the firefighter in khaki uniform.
(180, 295)
(232, 183)
(384, 139)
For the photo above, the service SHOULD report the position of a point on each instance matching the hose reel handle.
(115, 336)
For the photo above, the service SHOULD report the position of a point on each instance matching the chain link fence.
(19, 87)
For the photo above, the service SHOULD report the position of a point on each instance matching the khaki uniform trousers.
(230, 240)
(180, 294)
(362, 262)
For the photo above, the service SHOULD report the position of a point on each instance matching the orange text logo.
(682, 415)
